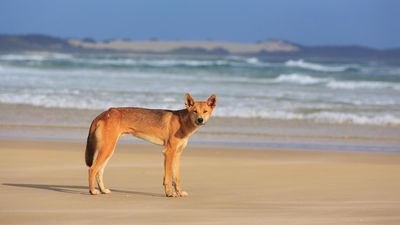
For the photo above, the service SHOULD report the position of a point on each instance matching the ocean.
(364, 93)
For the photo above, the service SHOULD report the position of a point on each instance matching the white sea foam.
(193, 63)
(31, 57)
(351, 85)
(60, 100)
(84, 100)
(112, 61)
(321, 117)
(169, 100)
(305, 79)
(12, 57)
(314, 66)
(298, 78)
(235, 58)
(335, 117)
(126, 61)
(252, 60)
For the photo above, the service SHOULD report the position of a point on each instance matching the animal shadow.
(75, 189)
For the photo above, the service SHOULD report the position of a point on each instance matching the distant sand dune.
(167, 46)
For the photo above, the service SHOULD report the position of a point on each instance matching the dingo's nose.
(200, 120)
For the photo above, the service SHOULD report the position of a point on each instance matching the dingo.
(168, 128)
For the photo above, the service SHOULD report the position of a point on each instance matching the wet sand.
(45, 182)
(38, 123)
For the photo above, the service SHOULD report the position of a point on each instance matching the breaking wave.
(130, 61)
(316, 67)
(298, 78)
(304, 79)
(383, 119)
(75, 99)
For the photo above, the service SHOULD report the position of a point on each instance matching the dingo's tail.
(91, 144)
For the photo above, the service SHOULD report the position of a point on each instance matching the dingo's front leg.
(168, 160)
(177, 176)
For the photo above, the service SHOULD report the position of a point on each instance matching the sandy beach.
(44, 182)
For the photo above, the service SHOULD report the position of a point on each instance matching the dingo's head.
(200, 111)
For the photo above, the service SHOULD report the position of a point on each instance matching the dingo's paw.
(94, 192)
(172, 194)
(182, 193)
(105, 191)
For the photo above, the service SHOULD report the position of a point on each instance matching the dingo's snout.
(200, 121)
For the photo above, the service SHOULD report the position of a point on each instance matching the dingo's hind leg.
(97, 171)
(99, 177)
(93, 171)
(106, 149)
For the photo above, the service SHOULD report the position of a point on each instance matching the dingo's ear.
(212, 101)
(189, 101)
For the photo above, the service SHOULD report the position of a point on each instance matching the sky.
(372, 23)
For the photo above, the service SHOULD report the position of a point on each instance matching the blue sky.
(374, 23)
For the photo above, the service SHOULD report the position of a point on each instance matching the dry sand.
(45, 183)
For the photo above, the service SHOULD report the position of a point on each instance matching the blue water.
(247, 87)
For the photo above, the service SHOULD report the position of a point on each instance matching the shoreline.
(304, 145)
(23, 122)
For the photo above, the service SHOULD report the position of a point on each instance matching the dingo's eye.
(205, 111)
(195, 111)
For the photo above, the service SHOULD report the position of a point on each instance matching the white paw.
(94, 192)
(172, 194)
(105, 191)
(183, 194)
